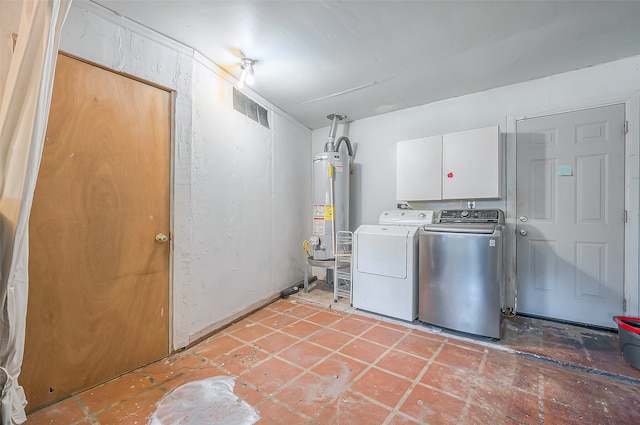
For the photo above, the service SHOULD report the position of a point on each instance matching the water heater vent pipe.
(335, 118)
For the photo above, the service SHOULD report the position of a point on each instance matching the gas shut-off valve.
(314, 241)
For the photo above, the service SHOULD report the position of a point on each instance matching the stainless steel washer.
(461, 271)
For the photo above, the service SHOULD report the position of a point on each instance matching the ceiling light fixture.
(246, 76)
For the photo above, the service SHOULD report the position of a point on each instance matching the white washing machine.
(385, 264)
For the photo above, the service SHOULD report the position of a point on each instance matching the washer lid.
(406, 217)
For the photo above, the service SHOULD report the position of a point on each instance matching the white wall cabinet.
(418, 163)
(462, 165)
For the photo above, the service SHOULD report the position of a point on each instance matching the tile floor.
(301, 362)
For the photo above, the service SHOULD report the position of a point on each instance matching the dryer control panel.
(406, 217)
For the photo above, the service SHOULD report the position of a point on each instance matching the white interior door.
(570, 215)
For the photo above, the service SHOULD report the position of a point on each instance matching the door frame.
(631, 199)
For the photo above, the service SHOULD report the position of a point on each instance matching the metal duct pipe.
(335, 118)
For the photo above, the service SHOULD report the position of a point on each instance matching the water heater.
(330, 195)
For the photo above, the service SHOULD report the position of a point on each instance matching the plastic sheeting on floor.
(209, 401)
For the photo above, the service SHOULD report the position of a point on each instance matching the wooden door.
(570, 209)
(99, 280)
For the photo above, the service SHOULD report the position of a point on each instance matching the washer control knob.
(464, 214)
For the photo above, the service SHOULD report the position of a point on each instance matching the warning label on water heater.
(318, 211)
(318, 227)
(321, 212)
(318, 220)
(328, 212)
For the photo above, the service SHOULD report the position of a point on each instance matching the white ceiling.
(363, 58)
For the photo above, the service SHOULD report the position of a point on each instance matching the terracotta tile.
(425, 333)
(261, 315)
(241, 359)
(528, 375)
(114, 391)
(558, 413)
(303, 311)
(63, 412)
(304, 354)
(504, 388)
(432, 407)
(366, 318)
(215, 346)
(233, 327)
(351, 325)
(402, 419)
(330, 338)
(247, 392)
(194, 375)
(170, 367)
(479, 416)
(501, 366)
(524, 407)
(402, 363)
(419, 346)
(448, 379)
(279, 321)
(491, 395)
(325, 317)
(271, 375)
(397, 326)
(272, 413)
(459, 357)
(363, 350)
(383, 335)
(338, 366)
(276, 342)
(566, 386)
(281, 305)
(466, 344)
(136, 410)
(622, 401)
(309, 393)
(301, 329)
(251, 331)
(352, 409)
(382, 386)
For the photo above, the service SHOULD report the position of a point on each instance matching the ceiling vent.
(250, 108)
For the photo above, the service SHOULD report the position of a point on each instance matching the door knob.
(524, 218)
(161, 238)
(523, 232)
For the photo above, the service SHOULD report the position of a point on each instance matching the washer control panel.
(471, 216)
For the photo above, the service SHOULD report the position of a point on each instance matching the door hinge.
(624, 305)
(625, 217)
(626, 127)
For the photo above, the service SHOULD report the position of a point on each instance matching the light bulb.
(246, 76)
(243, 77)
(249, 79)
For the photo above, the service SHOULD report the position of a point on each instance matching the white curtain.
(23, 122)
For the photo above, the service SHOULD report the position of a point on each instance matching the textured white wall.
(375, 140)
(238, 189)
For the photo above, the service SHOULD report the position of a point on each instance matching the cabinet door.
(419, 169)
(471, 164)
